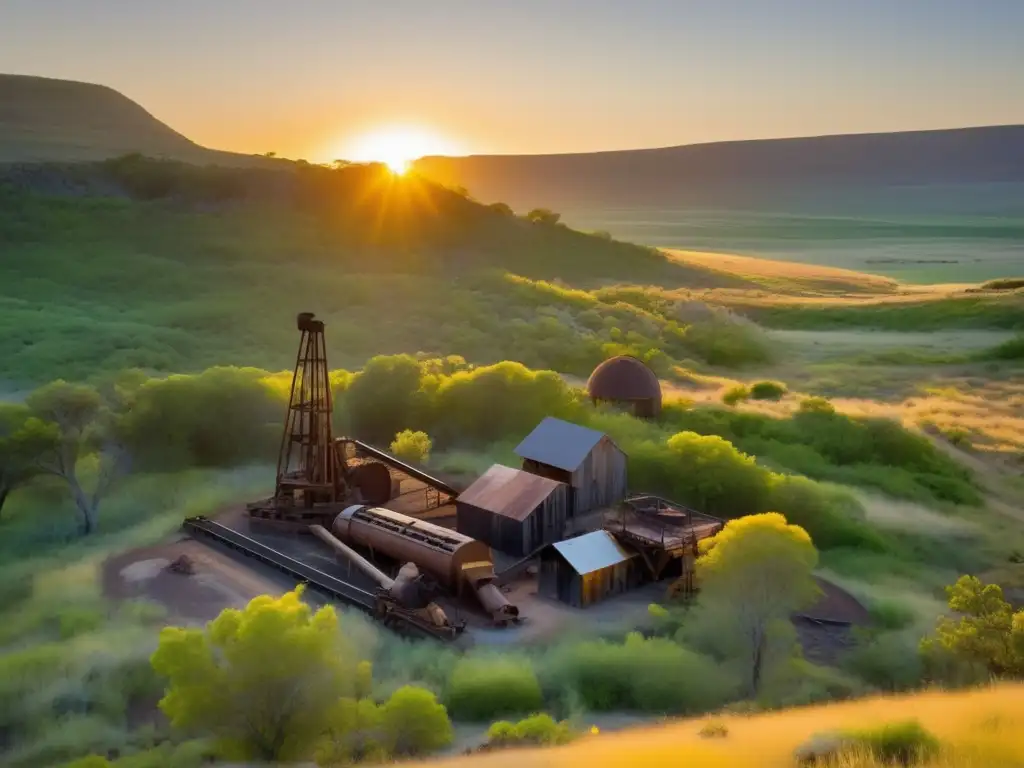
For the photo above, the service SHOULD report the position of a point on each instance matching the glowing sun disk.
(396, 147)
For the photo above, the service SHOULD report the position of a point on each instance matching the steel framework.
(307, 465)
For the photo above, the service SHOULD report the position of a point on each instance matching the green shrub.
(904, 743)
(1013, 349)
(735, 394)
(721, 341)
(890, 614)
(640, 674)
(890, 661)
(831, 516)
(411, 446)
(540, 730)
(78, 620)
(414, 722)
(481, 688)
(768, 390)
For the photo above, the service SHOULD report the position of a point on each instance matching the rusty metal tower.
(307, 466)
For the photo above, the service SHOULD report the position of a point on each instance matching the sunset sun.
(397, 147)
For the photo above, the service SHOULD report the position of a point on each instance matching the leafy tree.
(354, 734)
(987, 632)
(265, 681)
(721, 479)
(503, 208)
(221, 417)
(414, 722)
(411, 446)
(753, 575)
(543, 216)
(23, 440)
(76, 423)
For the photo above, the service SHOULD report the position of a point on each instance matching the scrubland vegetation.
(146, 320)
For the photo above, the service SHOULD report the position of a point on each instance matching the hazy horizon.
(468, 78)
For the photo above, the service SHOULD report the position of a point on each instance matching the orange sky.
(307, 78)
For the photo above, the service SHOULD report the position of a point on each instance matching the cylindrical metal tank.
(438, 551)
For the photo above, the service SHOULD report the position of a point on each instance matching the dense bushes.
(640, 674)
(821, 443)
(218, 418)
(708, 473)
(536, 730)
(768, 390)
(482, 688)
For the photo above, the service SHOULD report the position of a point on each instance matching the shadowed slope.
(43, 119)
(736, 171)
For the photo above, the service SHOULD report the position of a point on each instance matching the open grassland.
(787, 276)
(979, 729)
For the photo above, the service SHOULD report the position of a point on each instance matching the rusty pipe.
(353, 557)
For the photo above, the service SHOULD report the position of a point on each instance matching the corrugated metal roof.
(559, 444)
(508, 492)
(592, 552)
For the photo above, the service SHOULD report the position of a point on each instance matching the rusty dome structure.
(628, 382)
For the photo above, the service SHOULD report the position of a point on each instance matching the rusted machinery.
(317, 474)
(459, 563)
(313, 477)
(404, 598)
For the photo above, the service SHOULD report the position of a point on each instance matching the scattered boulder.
(821, 748)
(183, 564)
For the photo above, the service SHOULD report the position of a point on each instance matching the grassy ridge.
(98, 284)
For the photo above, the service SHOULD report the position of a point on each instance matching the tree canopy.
(24, 439)
(77, 423)
(264, 681)
(753, 575)
(986, 632)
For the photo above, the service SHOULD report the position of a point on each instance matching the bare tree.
(79, 424)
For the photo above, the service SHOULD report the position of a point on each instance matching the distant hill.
(47, 120)
(728, 172)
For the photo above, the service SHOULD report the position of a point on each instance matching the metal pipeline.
(404, 590)
(353, 557)
(480, 576)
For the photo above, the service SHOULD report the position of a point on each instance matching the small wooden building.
(513, 511)
(586, 569)
(584, 459)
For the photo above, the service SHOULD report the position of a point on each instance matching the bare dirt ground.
(219, 581)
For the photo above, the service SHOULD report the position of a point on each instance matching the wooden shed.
(513, 511)
(584, 459)
(586, 569)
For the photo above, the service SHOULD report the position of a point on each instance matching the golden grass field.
(979, 729)
(774, 274)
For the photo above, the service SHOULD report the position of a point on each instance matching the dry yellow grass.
(775, 274)
(980, 729)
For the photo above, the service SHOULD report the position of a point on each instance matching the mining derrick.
(310, 474)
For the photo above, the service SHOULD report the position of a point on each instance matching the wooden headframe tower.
(307, 466)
